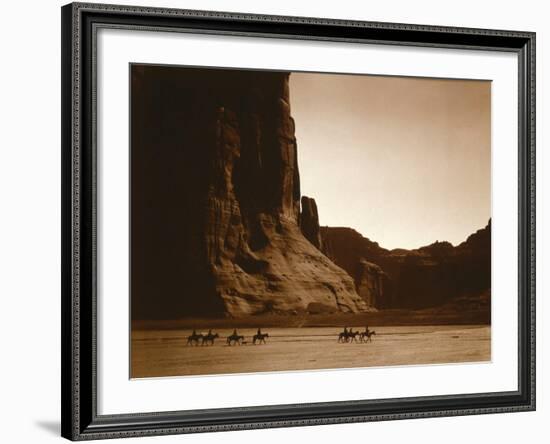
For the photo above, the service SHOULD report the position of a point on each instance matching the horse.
(352, 336)
(194, 338)
(235, 339)
(366, 336)
(209, 338)
(346, 335)
(260, 337)
(343, 336)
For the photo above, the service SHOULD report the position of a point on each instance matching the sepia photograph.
(298, 221)
(290, 220)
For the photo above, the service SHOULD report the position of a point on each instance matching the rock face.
(372, 283)
(426, 277)
(362, 259)
(216, 223)
(309, 222)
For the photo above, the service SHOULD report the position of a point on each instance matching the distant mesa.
(425, 277)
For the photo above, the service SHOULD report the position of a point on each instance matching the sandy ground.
(165, 353)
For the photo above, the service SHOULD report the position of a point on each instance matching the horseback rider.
(259, 332)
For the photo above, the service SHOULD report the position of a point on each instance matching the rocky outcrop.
(362, 259)
(216, 227)
(371, 283)
(309, 222)
(426, 277)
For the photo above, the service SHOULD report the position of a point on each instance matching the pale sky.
(404, 161)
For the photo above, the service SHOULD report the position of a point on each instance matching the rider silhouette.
(259, 331)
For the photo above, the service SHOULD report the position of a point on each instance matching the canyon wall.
(430, 276)
(219, 226)
(216, 221)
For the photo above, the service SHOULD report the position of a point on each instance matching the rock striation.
(216, 221)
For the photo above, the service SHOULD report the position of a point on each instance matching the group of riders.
(233, 339)
(350, 336)
(346, 336)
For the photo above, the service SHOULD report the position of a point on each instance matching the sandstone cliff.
(372, 283)
(430, 276)
(309, 222)
(216, 223)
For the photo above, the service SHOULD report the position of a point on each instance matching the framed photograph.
(281, 221)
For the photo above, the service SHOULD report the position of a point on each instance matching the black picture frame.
(78, 334)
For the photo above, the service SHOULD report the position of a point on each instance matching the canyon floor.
(163, 352)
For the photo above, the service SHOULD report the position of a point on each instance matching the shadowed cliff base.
(467, 315)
